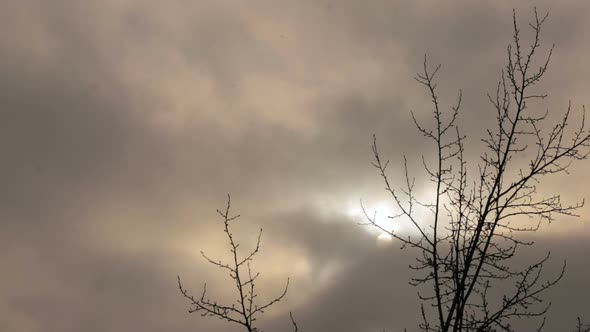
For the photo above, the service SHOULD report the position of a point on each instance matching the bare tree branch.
(478, 210)
(246, 309)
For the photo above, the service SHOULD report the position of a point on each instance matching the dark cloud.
(124, 124)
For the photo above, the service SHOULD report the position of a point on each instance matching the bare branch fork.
(245, 311)
(580, 327)
(477, 212)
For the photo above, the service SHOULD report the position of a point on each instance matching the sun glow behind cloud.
(381, 213)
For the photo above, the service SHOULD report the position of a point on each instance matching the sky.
(125, 123)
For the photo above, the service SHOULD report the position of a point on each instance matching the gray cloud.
(124, 124)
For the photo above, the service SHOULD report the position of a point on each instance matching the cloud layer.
(123, 124)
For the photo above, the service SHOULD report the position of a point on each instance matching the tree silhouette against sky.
(466, 244)
(247, 308)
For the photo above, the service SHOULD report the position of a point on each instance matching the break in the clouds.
(123, 124)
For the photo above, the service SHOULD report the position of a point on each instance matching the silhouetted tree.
(581, 327)
(466, 243)
(244, 312)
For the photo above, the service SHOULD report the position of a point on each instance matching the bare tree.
(581, 327)
(477, 212)
(246, 309)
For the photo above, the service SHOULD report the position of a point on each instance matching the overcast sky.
(124, 124)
